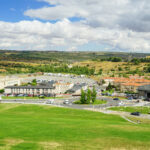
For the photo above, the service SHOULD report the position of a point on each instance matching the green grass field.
(121, 98)
(38, 127)
(97, 102)
(141, 109)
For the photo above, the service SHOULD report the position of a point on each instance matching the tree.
(2, 91)
(100, 71)
(88, 94)
(115, 59)
(136, 61)
(94, 94)
(34, 82)
(110, 87)
(83, 97)
(103, 82)
(120, 69)
(147, 69)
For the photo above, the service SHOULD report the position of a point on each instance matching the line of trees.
(88, 96)
(112, 59)
(50, 68)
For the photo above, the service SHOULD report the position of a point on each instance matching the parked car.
(135, 97)
(135, 113)
(20, 95)
(66, 102)
(121, 104)
(11, 95)
(50, 102)
(147, 99)
(130, 98)
(116, 99)
(141, 97)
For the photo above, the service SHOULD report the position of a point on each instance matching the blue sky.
(91, 25)
(13, 10)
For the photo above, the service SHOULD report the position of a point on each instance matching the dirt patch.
(49, 145)
(9, 143)
(8, 106)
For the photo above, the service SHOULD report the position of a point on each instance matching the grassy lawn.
(97, 102)
(143, 110)
(122, 98)
(28, 98)
(37, 127)
(139, 120)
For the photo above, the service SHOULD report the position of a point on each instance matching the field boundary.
(124, 117)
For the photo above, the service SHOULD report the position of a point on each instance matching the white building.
(8, 81)
(61, 88)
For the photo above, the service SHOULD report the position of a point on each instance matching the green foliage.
(125, 75)
(34, 82)
(112, 59)
(136, 61)
(110, 87)
(83, 97)
(54, 68)
(116, 59)
(93, 94)
(120, 69)
(88, 94)
(103, 82)
(2, 91)
(96, 102)
(88, 97)
(100, 71)
(147, 69)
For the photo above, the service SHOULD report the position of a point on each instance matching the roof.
(144, 88)
(132, 84)
(32, 87)
(76, 87)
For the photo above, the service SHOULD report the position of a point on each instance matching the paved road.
(59, 102)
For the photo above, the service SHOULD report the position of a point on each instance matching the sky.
(75, 25)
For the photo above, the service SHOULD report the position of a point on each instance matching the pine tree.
(94, 94)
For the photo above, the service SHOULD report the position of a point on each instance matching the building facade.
(30, 90)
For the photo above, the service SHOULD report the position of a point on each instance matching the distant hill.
(62, 56)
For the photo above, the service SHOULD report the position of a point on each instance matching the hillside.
(38, 56)
(12, 62)
(115, 68)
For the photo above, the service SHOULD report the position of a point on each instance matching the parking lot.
(66, 79)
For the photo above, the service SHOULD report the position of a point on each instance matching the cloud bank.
(121, 24)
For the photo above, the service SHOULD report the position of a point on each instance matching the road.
(59, 102)
(99, 108)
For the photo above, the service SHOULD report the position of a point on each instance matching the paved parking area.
(74, 80)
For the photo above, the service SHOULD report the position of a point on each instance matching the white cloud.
(12, 9)
(124, 24)
(44, 36)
